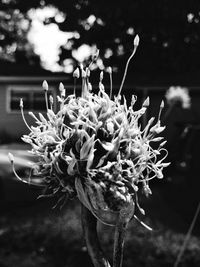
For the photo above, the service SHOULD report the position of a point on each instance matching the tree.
(169, 31)
(14, 25)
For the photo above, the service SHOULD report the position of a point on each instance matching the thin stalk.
(161, 108)
(23, 117)
(45, 87)
(188, 235)
(51, 102)
(75, 86)
(111, 85)
(11, 158)
(84, 90)
(46, 100)
(126, 69)
(120, 232)
(144, 117)
(89, 224)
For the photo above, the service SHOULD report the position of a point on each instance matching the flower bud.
(101, 76)
(163, 143)
(11, 158)
(61, 87)
(162, 104)
(96, 55)
(87, 72)
(146, 102)
(51, 99)
(89, 87)
(110, 127)
(136, 41)
(109, 70)
(21, 103)
(159, 174)
(83, 74)
(76, 73)
(32, 115)
(45, 85)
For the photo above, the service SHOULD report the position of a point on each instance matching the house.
(29, 88)
(14, 85)
(16, 82)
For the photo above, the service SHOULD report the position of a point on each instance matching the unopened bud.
(61, 87)
(45, 85)
(160, 129)
(83, 74)
(21, 103)
(159, 174)
(110, 127)
(32, 115)
(76, 73)
(163, 143)
(146, 102)
(59, 99)
(101, 86)
(162, 104)
(96, 55)
(166, 164)
(87, 72)
(89, 87)
(109, 70)
(136, 40)
(11, 158)
(101, 76)
(51, 99)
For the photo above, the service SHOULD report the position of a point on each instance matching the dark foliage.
(169, 31)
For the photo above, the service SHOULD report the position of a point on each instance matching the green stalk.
(89, 224)
(188, 235)
(126, 70)
(125, 216)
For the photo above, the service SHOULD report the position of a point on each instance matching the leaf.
(84, 152)
(108, 146)
(81, 194)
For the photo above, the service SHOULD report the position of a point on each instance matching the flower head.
(94, 147)
(177, 94)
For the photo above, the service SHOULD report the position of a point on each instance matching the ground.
(32, 234)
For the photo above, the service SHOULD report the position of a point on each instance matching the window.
(33, 98)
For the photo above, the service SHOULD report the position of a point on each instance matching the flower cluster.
(94, 147)
(177, 94)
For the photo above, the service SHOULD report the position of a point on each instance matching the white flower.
(94, 147)
(177, 94)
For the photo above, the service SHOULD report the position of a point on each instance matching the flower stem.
(126, 69)
(111, 85)
(75, 87)
(120, 231)
(89, 224)
(188, 235)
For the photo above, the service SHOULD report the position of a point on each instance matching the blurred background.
(47, 40)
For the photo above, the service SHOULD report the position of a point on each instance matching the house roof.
(22, 73)
(8, 68)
